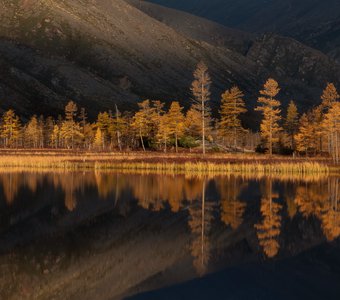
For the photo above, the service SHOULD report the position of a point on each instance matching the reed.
(159, 162)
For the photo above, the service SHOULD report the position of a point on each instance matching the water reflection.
(261, 205)
(269, 229)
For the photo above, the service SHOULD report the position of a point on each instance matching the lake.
(111, 235)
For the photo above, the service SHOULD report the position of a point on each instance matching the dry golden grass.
(160, 162)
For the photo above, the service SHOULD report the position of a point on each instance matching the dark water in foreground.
(105, 235)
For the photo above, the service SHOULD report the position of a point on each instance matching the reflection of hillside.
(309, 195)
(168, 222)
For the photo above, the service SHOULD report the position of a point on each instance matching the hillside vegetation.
(110, 52)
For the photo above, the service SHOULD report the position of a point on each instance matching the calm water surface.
(106, 235)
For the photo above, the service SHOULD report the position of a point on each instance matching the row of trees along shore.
(153, 127)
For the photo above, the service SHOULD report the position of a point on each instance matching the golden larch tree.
(10, 129)
(31, 133)
(292, 122)
(200, 89)
(232, 106)
(176, 121)
(329, 96)
(142, 121)
(331, 127)
(269, 106)
(164, 131)
(305, 137)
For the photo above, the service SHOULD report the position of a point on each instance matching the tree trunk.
(141, 139)
(176, 142)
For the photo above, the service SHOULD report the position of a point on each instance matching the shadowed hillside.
(106, 52)
(316, 23)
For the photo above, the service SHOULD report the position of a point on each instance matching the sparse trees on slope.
(269, 106)
(201, 91)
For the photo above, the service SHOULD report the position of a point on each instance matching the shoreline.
(165, 162)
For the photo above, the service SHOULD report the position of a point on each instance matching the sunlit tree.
(200, 89)
(10, 129)
(329, 96)
(331, 126)
(31, 133)
(269, 106)
(292, 122)
(142, 121)
(176, 122)
(232, 106)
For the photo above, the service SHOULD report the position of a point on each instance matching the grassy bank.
(161, 162)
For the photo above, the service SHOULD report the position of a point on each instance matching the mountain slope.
(316, 23)
(105, 52)
(197, 28)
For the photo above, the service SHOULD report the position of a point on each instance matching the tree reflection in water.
(206, 200)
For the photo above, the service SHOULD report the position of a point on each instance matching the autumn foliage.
(169, 126)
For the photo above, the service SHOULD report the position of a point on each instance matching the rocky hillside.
(316, 23)
(104, 52)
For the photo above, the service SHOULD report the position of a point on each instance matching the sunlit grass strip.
(226, 168)
(182, 164)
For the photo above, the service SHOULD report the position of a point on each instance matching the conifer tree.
(71, 111)
(83, 119)
(41, 132)
(118, 124)
(193, 124)
(55, 137)
(49, 126)
(105, 123)
(292, 122)
(70, 131)
(305, 138)
(99, 139)
(176, 122)
(163, 134)
(31, 133)
(331, 126)
(142, 121)
(10, 129)
(157, 112)
(269, 106)
(329, 95)
(232, 106)
(201, 91)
